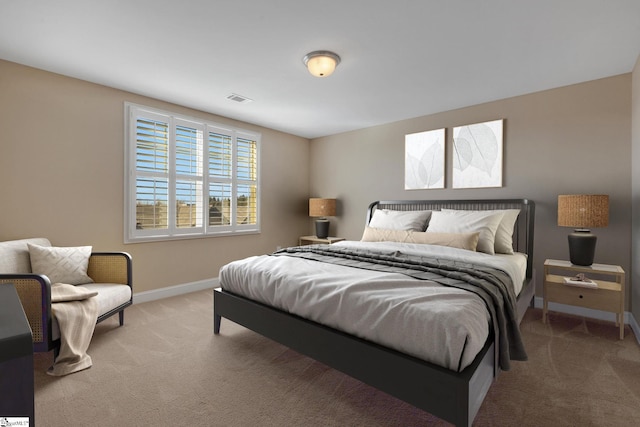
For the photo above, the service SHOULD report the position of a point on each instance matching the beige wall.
(571, 140)
(62, 150)
(635, 180)
(62, 174)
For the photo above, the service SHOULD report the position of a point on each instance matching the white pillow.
(61, 265)
(400, 220)
(454, 221)
(504, 234)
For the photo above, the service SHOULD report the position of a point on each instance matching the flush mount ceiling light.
(321, 63)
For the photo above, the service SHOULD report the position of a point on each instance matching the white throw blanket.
(76, 312)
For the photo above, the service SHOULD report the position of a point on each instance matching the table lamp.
(583, 211)
(322, 208)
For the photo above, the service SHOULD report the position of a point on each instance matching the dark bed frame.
(452, 396)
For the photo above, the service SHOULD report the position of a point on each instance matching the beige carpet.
(165, 367)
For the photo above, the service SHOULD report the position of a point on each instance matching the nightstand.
(312, 240)
(608, 296)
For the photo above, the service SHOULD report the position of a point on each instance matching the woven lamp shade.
(583, 210)
(322, 207)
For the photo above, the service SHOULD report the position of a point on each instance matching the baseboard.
(172, 291)
(594, 314)
(634, 327)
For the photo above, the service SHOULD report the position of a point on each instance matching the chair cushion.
(14, 255)
(110, 296)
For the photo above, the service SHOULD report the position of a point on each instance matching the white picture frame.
(424, 160)
(478, 155)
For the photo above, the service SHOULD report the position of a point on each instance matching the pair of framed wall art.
(476, 155)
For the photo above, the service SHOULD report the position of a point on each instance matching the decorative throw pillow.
(467, 241)
(400, 220)
(504, 234)
(484, 222)
(61, 265)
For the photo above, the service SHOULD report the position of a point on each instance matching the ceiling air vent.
(239, 98)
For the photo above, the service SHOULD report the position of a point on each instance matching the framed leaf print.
(424, 160)
(477, 155)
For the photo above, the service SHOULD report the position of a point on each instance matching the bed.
(452, 394)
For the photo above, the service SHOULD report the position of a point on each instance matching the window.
(188, 178)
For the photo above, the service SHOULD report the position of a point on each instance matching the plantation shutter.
(247, 178)
(220, 178)
(187, 177)
(152, 173)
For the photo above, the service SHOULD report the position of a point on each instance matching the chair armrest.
(110, 267)
(34, 291)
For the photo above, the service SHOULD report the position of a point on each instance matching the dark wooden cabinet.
(16, 358)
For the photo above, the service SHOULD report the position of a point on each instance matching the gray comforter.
(490, 284)
(381, 301)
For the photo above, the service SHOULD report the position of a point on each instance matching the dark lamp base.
(582, 247)
(322, 228)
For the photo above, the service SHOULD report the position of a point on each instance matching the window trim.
(173, 232)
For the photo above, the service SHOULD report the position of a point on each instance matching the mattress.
(443, 325)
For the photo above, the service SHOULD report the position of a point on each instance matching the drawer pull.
(580, 296)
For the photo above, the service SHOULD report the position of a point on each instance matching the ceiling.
(400, 59)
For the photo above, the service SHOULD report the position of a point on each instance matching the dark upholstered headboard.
(523, 229)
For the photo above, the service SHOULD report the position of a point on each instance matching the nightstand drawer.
(598, 299)
(608, 296)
